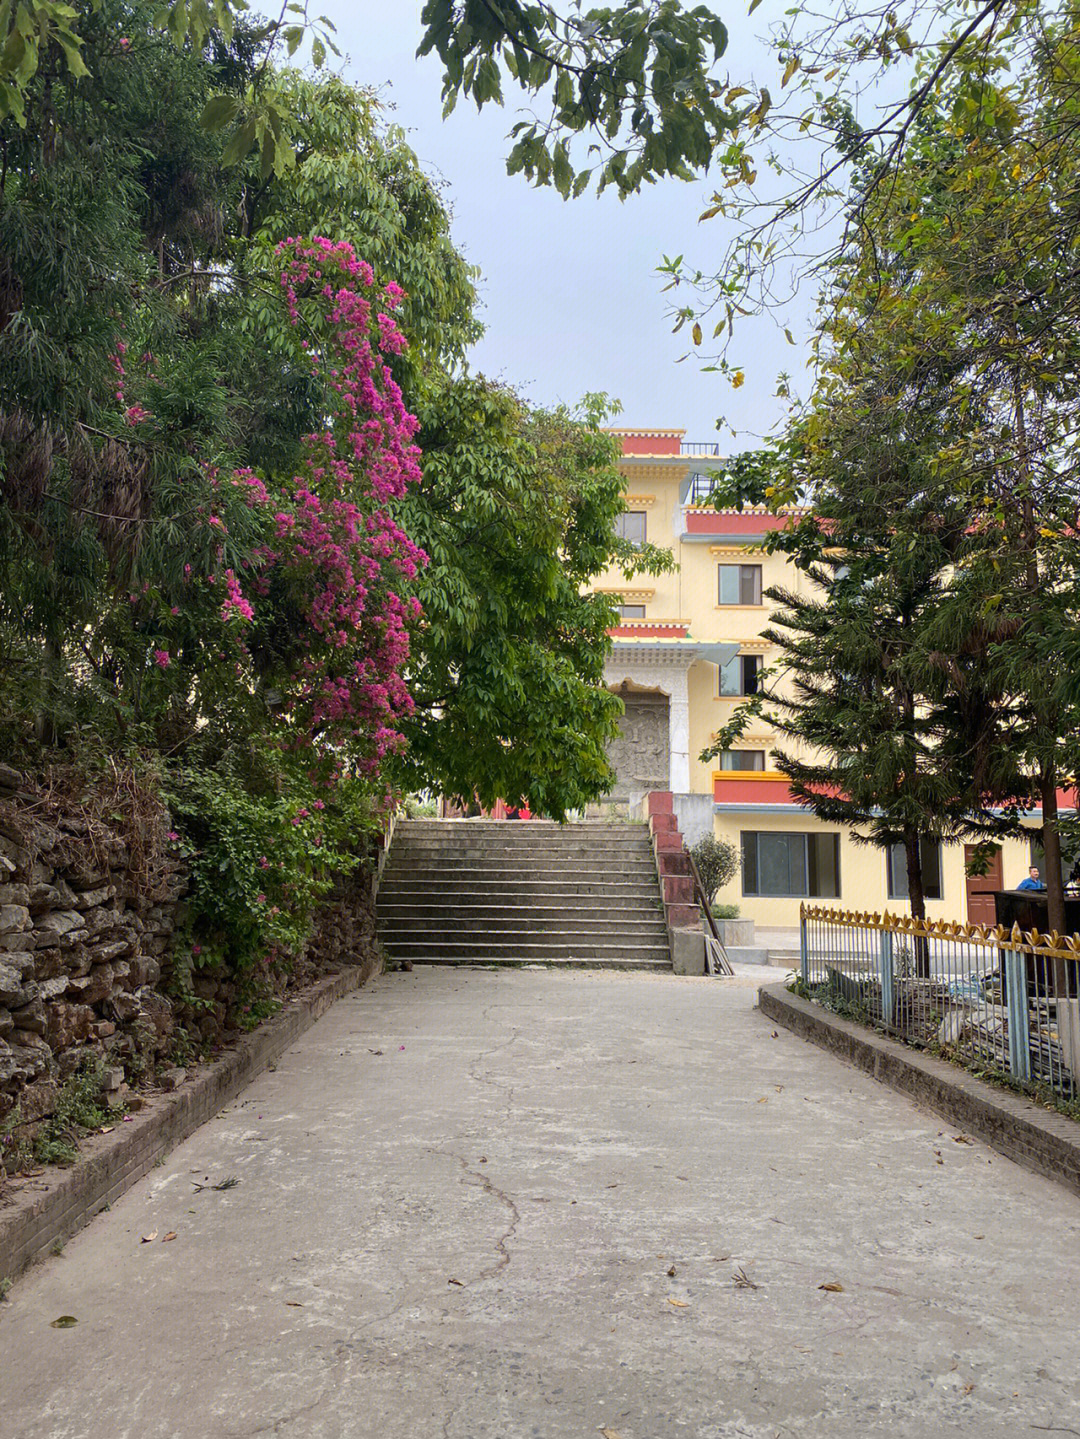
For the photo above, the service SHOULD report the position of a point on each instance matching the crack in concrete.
(485, 1184)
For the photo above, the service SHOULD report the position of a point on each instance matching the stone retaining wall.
(86, 937)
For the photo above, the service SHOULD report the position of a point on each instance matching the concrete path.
(518, 1205)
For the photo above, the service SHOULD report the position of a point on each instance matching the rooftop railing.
(700, 447)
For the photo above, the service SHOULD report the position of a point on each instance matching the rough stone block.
(31, 1017)
(11, 985)
(26, 940)
(14, 918)
(107, 950)
(14, 894)
(7, 1024)
(91, 898)
(59, 922)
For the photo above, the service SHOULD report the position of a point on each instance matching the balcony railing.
(700, 447)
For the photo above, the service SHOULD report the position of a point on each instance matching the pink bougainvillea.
(300, 588)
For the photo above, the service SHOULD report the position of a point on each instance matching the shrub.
(717, 862)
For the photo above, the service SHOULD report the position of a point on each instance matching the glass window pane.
(930, 852)
(731, 677)
(823, 854)
(751, 669)
(632, 612)
(749, 584)
(781, 864)
(631, 526)
(742, 759)
(729, 584)
(749, 864)
(897, 864)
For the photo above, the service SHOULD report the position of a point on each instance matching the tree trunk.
(1055, 886)
(917, 899)
(1051, 843)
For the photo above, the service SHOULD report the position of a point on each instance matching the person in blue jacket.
(1033, 881)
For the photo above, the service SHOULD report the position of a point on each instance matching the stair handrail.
(719, 952)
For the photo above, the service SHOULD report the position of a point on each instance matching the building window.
(632, 612)
(896, 861)
(741, 676)
(740, 584)
(742, 759)
(796, 866)
(630, 525)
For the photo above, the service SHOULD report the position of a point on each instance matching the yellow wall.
(863, 878)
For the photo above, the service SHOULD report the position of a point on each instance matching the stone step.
(575, 851)
(615, 891)
(515, 826)
(491, 892)
(469, 869)
(425, 911)
(556, 947)
(520, 961)
(566, 924)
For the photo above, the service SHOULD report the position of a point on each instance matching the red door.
(980, 889)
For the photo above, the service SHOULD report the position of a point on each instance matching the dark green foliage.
(516, 512)
(717, 863)
(635, 77)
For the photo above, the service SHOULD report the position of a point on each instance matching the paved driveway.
(478, 1205)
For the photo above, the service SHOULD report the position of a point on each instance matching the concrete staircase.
(523, 892)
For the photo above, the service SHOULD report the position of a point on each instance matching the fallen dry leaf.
(106, 1128)
(66, 1321)
(962, 1139)
(294, 1304)
(610, 1434)
(147, 1238)
(171, 1235)
(678, 1304)
(832, 1287)
(458, 1282)
(743, 1281)
(763, 1101)
(967, 1389)
(671, 1272)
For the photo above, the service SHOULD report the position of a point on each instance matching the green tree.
(516, 512)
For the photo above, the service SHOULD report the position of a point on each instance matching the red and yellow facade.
(694, 639)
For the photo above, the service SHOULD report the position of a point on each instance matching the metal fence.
(1000, 999)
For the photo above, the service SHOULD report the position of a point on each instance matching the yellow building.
(688, 648)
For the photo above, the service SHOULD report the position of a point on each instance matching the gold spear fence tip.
(1053, 945)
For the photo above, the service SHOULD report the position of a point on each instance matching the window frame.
(744, 573)
(758, 663)
(896, 866)
(620, 532)
(742, 768)
(809, 840)
(638, 609)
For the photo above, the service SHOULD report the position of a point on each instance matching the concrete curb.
(50, 1209)
(1039, 1139)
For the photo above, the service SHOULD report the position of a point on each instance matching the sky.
(570, 295)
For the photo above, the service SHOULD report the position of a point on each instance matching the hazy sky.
(570, 296)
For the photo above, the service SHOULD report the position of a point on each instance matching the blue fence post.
(1019, 1037)
(804, 947)
(888, 991)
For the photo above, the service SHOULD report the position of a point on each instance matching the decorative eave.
(675, 651)
(628, 592)
(639, 501)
